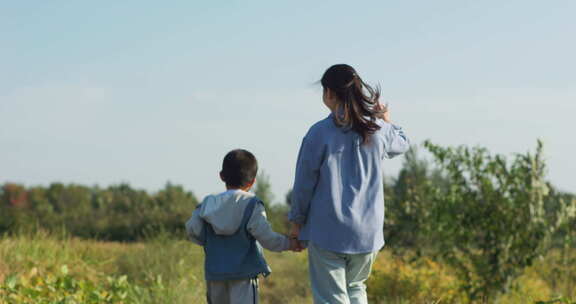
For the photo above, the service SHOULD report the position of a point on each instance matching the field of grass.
(43, 269)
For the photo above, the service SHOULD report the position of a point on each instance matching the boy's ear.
(252, 183)
(221, 176)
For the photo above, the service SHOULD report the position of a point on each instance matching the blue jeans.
(338, 278)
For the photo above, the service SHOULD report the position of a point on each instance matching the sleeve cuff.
(298, 219)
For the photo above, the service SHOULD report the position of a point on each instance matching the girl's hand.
(294, 230)
(382, 112)
(294, 233)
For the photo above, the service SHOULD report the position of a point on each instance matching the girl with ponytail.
(337, 203)
(356, 102)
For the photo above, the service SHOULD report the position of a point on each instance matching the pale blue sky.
(146, 91)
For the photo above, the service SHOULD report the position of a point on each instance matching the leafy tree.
(14, 195)
(13, 209)
(263, 189)
(407, 204)
(491, 222)
(277, 212)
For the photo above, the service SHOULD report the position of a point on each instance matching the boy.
(231, 226)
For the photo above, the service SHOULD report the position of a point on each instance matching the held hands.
(382, 111)
(295, 245)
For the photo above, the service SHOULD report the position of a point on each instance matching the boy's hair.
(239, 168)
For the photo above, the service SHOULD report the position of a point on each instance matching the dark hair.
(356, 99)
(239, 168)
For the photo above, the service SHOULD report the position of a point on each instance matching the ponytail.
(355, 109)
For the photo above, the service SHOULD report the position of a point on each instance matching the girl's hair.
(355, 100)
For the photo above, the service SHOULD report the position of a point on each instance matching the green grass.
(158, 271)
(45, 269)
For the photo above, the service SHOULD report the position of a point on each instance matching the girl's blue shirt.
(338, 193)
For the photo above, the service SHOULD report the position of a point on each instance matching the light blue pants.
(338, 278)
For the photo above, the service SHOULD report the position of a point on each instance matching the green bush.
(36, 287)
(491, 222)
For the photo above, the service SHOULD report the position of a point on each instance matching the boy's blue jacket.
(231, 226)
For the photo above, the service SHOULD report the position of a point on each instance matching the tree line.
(116, 213)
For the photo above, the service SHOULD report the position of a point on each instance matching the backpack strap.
(245, 218)
(249, 210)
(204, 235)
